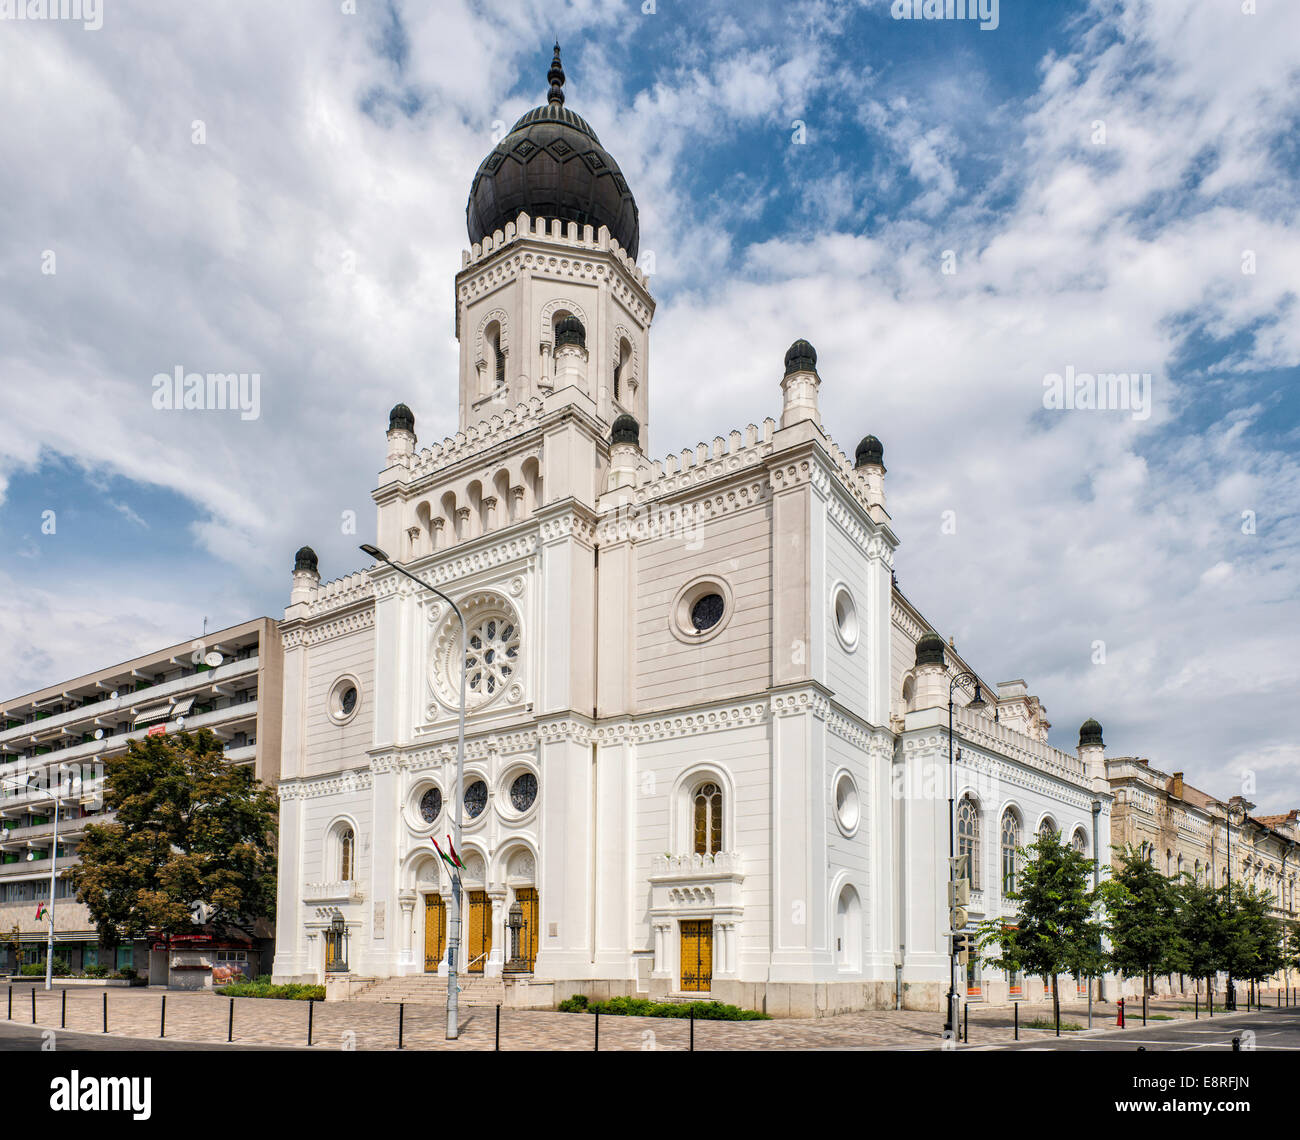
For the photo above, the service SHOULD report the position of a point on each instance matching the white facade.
(586, 570)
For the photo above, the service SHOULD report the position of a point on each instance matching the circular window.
(707, 612)
(846, 618)
(344, 700)
(430, 805)
(847, 808)
(701, 610)
(492, 657)
(476, 798)
(523, 791)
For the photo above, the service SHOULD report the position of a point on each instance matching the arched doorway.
(848, 930)
(435, 931)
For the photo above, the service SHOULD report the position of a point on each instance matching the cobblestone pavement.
(204, 1018)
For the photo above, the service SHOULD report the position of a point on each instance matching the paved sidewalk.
(204, 1018)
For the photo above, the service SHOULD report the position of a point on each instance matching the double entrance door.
(697, 955)
(478, 928)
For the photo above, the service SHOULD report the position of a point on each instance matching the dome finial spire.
(556, 77)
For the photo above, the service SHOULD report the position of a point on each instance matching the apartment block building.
(228, 681)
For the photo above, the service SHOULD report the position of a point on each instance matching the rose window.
(430, 805)
(493, 656)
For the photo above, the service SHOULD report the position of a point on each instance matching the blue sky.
(312, 235)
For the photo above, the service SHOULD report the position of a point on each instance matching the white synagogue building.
(707, 736)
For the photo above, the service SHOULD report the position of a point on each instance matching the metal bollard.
(1197, 1007)
(1236, 1044)
(33, 1004)
(63, 1011)
(1015, 1008)
(401, 1021)
(106, 1011)
(496, 1048)
(692, 1031)
(230, 1023)
(966, 1023)
(1144, 1007)
(596, 1047)
(11, 1003)
(311, 1009)
(162, 1024)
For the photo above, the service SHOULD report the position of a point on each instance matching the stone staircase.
(429, 989)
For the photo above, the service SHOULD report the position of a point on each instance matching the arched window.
(1169, 863)
(968, 838)
(620, 369)
(1079, 841)
(347, 846)
(499, 360)
(1196, 871)
(708, 819)
(1010, 850)
(1047, 827)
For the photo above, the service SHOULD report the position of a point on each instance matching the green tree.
(1254, 942)
(1142, 921)
(1200, 945)
(188, 826)
(1055, 930)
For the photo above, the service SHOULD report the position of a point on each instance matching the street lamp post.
(1234, 813)
(54, 870)
(453, 932)
(1096, 883)
(976, 702)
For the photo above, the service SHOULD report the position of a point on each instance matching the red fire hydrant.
(1120, 1021)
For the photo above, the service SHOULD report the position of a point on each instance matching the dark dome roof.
(626, 430)
(551, 165)
(1090, 733)
(870, 450)
(305, 559)
(569, 330)
(800, 357)
(401, 417)
(929, 649)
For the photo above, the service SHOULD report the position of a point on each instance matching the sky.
(952, 215)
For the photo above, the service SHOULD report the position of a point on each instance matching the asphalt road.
(1271, 1029)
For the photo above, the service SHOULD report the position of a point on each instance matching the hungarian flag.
(41, 911)
(452, 860)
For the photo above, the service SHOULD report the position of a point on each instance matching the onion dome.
(401, 418)
(569, 330)
(870, 451)
(551, 165)
(1090, 733)
(800, 357)
(305, 559)
(929, 649)
(626, 430)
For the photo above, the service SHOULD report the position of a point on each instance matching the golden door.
(435, 932)
(697, 955)
(526, 897)
(480, 931)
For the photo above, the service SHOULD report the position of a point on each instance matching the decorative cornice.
(307, 634)
(310, 789)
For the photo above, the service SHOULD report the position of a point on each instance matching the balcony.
(35, 868)
(347, 891)
(696, 883)
(128, 703)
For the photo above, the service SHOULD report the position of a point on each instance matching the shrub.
(37, 969)
(96, 971)
(127, 972)
(262, 988)
(1045, 1023)
(643, 1007)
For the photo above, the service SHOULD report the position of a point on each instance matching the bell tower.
(549, 299)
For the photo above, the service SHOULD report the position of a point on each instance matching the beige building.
(1184, 830)
(59, 737)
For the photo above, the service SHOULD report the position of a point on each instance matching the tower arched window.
(968, 838)
(347, 848)
(1010, 850)
(708, 819)
(498, 358)
(620, 369)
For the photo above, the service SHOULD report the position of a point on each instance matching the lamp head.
(977, 702)
(374, 552)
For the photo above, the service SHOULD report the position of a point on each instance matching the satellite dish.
(180, 722)
(113, 695)
(99, 734)
(212, 659)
